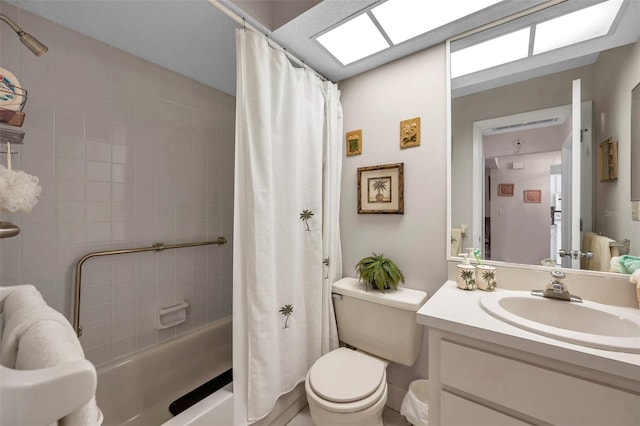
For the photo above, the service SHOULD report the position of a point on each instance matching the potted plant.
(379, 272)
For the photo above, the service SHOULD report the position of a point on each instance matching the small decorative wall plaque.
(532, 196)
(505, 190)
(381, 189)
(410, 133)
(608, 160)
(354, 142)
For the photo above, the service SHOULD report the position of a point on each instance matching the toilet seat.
(347, 381)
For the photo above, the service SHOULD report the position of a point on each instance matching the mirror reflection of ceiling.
(625, 30)
(195, 39)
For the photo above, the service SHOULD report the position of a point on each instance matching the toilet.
(348, 386)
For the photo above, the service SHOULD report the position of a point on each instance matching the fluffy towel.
(629, 264)
(23, 308)
(49, 343)
(601, 250)
(456, 241)
(614, 265)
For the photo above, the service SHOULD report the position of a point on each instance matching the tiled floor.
(389, 417)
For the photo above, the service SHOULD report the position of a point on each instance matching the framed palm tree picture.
(381, 189)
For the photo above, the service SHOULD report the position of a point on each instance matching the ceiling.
(194, 38)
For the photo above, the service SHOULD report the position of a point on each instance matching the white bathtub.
(138, 390)
(214, 410)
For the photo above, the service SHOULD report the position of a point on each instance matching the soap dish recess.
(169, 316)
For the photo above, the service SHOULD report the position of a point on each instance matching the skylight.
(353, 40)
(406, 19)
(585, 24)
(496, 51)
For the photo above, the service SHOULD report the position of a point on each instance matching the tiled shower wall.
(128, 154)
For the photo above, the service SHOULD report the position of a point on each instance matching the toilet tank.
(382, 324)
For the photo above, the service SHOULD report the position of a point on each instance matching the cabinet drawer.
(458, 411)
(535, 391)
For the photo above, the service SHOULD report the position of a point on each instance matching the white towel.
(601, 250)
(614, 265)
(48, 343)
(23, 308)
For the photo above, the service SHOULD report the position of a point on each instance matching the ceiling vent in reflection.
(536, 124)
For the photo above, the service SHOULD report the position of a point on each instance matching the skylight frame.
(484, 55)
(571, 28)
(359, 30)
(403, 20)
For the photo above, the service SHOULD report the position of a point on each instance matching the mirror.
(520, 189)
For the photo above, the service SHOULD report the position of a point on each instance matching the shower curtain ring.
(244, 24)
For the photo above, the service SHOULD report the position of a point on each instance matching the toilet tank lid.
(402, 298)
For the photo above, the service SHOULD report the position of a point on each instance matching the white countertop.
(458, 311)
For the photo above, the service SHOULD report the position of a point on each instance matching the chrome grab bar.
(154, 247)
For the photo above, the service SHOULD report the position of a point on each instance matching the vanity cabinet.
(475, 382)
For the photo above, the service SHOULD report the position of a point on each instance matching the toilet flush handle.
(336, 295)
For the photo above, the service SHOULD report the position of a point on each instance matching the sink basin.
(588, 323)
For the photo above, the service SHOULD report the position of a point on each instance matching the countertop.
(458, 311)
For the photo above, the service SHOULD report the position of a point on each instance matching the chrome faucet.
(556, 289)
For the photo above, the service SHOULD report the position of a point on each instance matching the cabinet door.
(534, 391)
(456, 411)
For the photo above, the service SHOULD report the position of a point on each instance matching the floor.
(389, 417)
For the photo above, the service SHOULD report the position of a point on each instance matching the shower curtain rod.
(242, 21)
(155, 247)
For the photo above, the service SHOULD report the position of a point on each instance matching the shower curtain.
(286, 229)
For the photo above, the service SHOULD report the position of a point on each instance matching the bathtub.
(137, 390)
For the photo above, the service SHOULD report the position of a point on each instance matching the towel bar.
(154, 247)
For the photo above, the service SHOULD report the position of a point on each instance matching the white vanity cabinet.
(485, 372)
(475, 383)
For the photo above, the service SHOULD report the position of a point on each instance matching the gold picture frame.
(354, 142)
(608, 160)
(505, 189)
(410, 133)
(381, 189)
(532, 196)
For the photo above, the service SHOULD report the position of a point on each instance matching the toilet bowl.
(347, 387)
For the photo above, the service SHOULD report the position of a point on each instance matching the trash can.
(415, 405)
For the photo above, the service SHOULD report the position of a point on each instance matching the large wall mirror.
(532, 100)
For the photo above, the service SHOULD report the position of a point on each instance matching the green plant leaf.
(379, 271)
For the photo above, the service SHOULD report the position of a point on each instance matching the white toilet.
(349, 387)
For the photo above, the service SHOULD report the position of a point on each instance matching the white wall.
(128, 154)
(617, 73)
(376, 102)
(520, 232)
